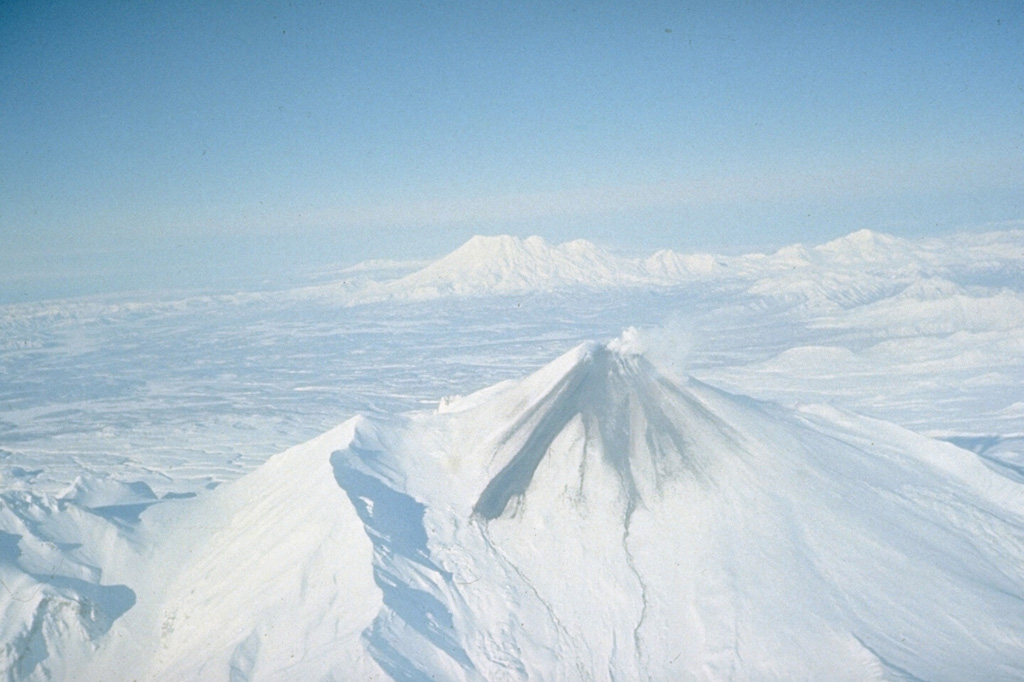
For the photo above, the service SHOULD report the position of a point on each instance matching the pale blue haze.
(219, 145)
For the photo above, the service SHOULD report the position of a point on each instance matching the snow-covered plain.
(804, 465)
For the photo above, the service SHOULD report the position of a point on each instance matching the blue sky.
(151, 145)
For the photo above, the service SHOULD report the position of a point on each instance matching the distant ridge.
(852, 270)
(506, 264)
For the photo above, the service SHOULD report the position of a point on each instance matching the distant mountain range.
(855, 269)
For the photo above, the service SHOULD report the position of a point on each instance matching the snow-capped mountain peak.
(698, 515)
(869, 249)
(610, 400)
(507, 264)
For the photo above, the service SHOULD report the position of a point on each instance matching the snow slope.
(265, 579)
(508, 264)
(594, 520)
(56, 595)
(599, 521)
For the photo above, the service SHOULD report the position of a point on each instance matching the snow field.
(605, 517)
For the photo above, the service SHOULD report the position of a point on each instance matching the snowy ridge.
(57, 596)
(937, 306)
(503, 264)
(267, 578)
(859, 268)
(512, 265)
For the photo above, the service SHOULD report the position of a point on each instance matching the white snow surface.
(600, 521)
(596, 520)
(848, 507)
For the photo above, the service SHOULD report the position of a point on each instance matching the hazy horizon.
(180, 147)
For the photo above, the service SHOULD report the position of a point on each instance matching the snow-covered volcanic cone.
(596, 520)
(601, 521)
